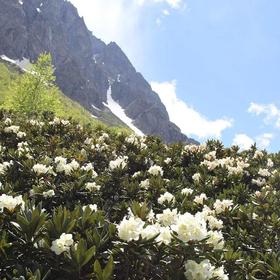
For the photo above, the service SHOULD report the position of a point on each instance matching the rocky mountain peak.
(84, 64)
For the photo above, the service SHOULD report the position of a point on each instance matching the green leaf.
(108, 271)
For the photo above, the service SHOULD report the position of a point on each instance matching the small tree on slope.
(35, 92)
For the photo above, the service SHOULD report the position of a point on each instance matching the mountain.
(98, 76)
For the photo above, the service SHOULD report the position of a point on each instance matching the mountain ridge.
(85, 65)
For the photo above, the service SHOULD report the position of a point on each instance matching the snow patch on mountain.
(23, 64)
(94, 107)
(117, 110)
(8, 59)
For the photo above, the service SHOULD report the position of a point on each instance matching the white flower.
(58, 121)
(191, 149)
(4, 167)
(120, 162)
(11, 129)
(143, 146)
(221, 205)
(130, 229)
(8, 121)
(199, 271)
(259, 182)
(36, 123)
(210, 156)
(65, 122)
(103, 137)
(74, 165)
(145, 184)
(10, 203)
(89, 167)
(220, 273)
(150, 231)
(166, 197)
(67, 169)
(164, 236)
(216, 239)
(22, 148)
(60, 160)
(136, 174)
(258, 193)
(49, 193)
(92, 187)
(254, 216)
(167, 217)
(186, 191)
(258, 154)
(21, 134)
(206, 211)
(264, 172)
(214, 223)
(151, 216)
(199, 199)
(270, 163)
(55, 121)
(132, 139)
(62, 165)
(168, 160)
(62, 244)
(99, 147)
(196, 177)
(155, 170)
(40, 169)
(88, 141)
(190, 227)
(92, 207)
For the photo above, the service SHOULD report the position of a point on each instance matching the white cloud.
(191, 122)
(158, 21)
(264, 140)
(165, 12)
(110, 20)
(174, 4)
(122, 21)
(245, 142)
(270, 112)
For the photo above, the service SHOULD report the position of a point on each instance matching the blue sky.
(215, 63)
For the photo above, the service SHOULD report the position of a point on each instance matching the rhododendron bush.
(82, 203)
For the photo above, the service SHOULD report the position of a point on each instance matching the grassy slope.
(71, 109)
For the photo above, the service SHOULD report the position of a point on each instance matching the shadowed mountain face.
(85, 66)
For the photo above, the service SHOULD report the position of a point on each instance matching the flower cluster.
(9, 202)
(62, 244)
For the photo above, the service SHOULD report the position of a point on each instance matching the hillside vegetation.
(81, 203)
(10, 73)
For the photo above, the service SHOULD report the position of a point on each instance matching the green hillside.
(69, 108)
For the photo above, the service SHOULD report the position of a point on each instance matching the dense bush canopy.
(81, 203)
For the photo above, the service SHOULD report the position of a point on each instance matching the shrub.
(81, 203)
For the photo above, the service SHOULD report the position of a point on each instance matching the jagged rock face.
(84, 64)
